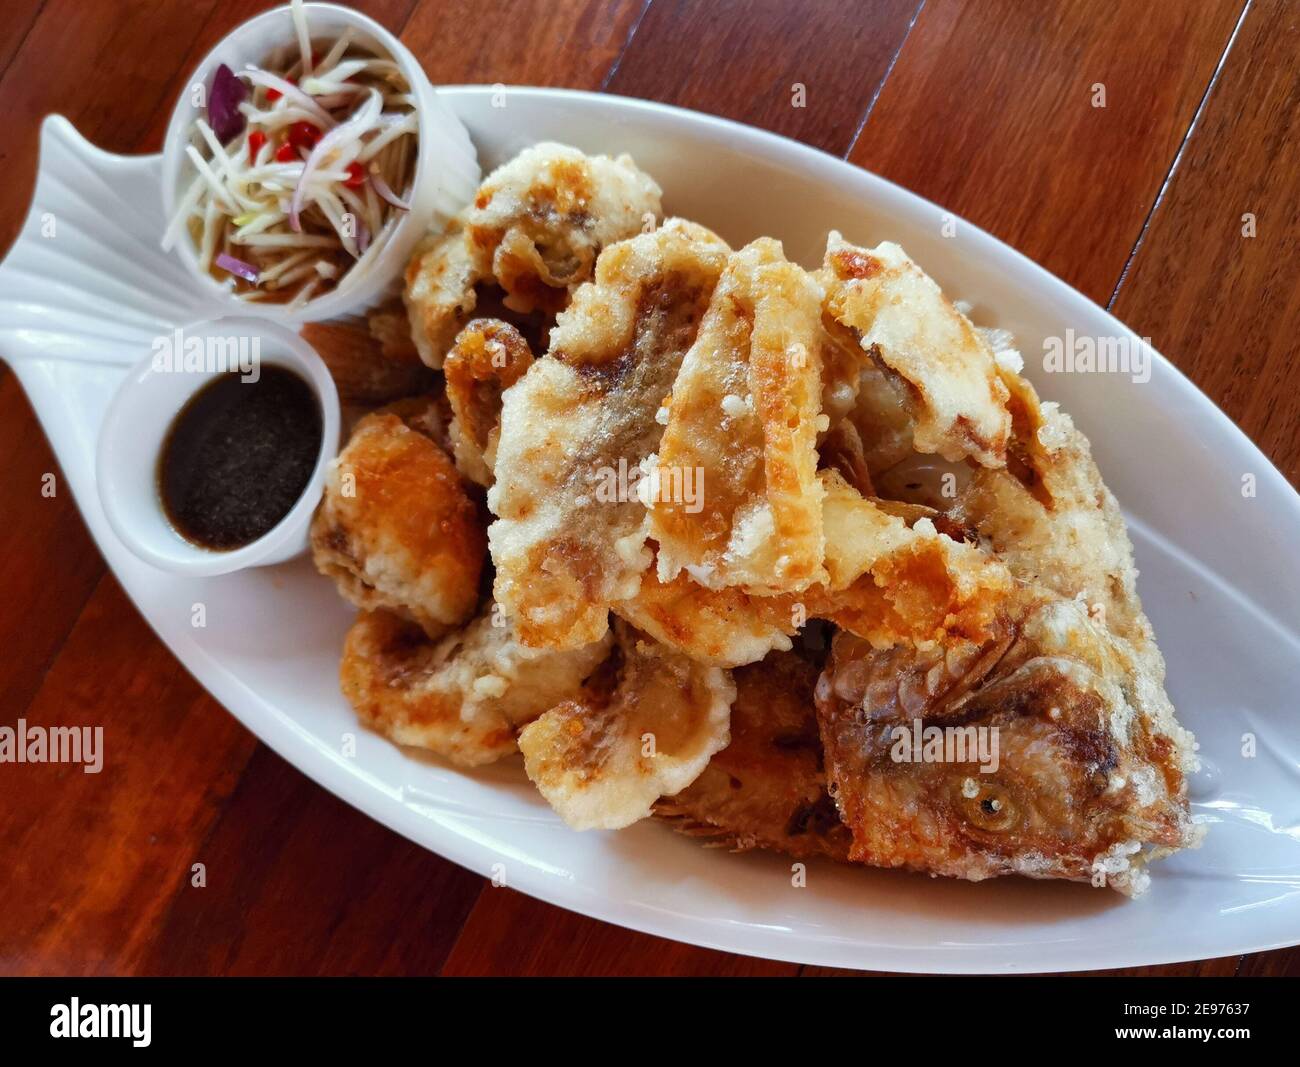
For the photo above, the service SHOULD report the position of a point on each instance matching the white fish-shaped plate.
(81, 301)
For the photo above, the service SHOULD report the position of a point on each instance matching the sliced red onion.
(385, 191)
(224, 98)
(363, 238)
(362, 119)
(237, 267)
(288, 89)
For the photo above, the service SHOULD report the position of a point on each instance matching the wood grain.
(286, 856)
(511, 934)
(568, 43)
(1224, 306)
(91, 860)
(48, 563)
(989, 113)
(807, 70)
(986, 109)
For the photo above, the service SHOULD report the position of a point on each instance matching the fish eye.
(987, 806)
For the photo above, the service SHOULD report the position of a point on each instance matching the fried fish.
(534, 229)
(1044, 749)
(396, 528)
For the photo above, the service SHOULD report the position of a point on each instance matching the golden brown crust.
(464, 697)
(903, 321)
(488, 357)
(534, 229)
(767, 788)
(397, 530)
(569, 539)
(603, 759)
(1064, 770)
(738, 502)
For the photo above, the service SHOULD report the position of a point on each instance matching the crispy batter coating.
(717, 627)
(1087, 780)
(647, 729)
(893, 575)
(903, 322)
(569, 538)
(737, 501)
(488, 357)
(463, 697)
(396, 528)
(1052, 520)
(767, 788)
(535, 229)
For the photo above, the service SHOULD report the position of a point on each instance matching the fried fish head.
(647, 728)
(1043, 751)
(903, 322)
(767, 788)
(736, 501)
(1051, 519)
(578, 428)
(396, 528)
(535, 228)
(488, 357)
(463, 697)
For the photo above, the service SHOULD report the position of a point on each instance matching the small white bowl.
(446, 168)
(136, 426)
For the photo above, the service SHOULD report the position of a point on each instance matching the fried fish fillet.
(397, 530)
(488, 357)
(891, 581)
(741, 434)
(717, 627)
(535, 229)
(463, 697)
(371, 360)
(767, 788)
(569, 537)
(645, 730)
(955, 396)
(1061, 756)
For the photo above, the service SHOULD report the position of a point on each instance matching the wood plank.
(90, 859)
(988, 112)
(1219, 304)
(48, 563)
(513, 935)
(98, 64)
(1284, 963)
(744, 59)
(569, 43)
(20, 15)
(1223, 306)
(299, 883)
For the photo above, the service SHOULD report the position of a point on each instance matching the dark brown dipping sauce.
(238, 456)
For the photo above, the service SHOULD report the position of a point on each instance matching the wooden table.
(985, 106)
